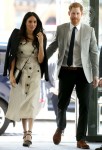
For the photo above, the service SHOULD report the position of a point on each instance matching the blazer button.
(28, 76)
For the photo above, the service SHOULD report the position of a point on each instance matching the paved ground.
(42, 137)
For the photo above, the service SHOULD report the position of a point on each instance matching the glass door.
(99, 102)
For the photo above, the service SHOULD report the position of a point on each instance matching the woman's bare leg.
(30, 124)
(24, 124)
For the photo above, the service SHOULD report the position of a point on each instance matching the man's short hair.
(75, 5)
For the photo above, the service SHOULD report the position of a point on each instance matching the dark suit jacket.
(11, 52)
(100, 64)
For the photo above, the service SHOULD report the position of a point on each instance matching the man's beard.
(75, 21)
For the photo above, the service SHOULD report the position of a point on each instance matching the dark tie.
(70, 53)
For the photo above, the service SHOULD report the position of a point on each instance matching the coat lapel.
(66, 36)
(83, 37)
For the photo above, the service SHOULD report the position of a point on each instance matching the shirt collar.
(78, 26)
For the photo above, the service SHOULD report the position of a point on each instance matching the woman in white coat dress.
(29, 52)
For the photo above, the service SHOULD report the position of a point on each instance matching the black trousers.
(54, 99)
(67, 80)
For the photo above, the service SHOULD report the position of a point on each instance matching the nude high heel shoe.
(24, 137)
(28, 140)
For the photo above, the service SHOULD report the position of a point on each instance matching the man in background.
(51, 86)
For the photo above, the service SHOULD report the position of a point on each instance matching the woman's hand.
(12, 80)
(41, 50)
(40, 38)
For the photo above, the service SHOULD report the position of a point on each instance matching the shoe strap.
(29, 131)
(25, 133)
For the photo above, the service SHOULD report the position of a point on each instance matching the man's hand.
(54, 90)
(95, 82)
(100, 82)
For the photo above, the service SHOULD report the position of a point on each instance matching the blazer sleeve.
(6, 63)
(100, 64)
(53, 46)
(10, 48)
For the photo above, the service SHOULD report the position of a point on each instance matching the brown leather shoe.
(82, 144)
(57, 136)
(99, 148)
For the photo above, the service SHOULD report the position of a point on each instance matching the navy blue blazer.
(11, 52)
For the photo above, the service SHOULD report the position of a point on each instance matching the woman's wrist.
(41, 45)
(11, 73)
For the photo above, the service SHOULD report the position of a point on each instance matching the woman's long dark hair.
(39, 27)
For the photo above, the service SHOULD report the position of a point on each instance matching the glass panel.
(100, 23)
(62, 10)
(99, 102)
